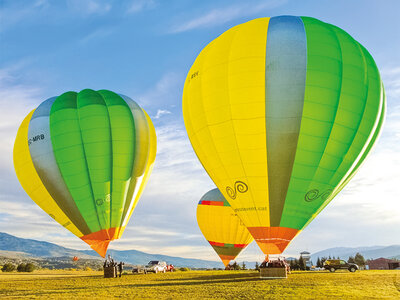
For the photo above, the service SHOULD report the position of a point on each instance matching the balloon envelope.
(85, 158)
(221, 226)
(282, 112)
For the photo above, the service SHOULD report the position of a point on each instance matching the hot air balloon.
(221, 227)
(85, 158)
(75, 258)
(282, 112)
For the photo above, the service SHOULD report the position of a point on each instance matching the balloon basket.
(110, 272)
(273, 273)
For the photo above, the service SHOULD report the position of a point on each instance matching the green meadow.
(383, 284)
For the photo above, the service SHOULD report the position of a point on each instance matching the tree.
(323, 260)
(291, 263)
(296, 265)
(351, 260)
(359, 259)
(318, 263)
(8, 267)
(257, 267)
(235, 266)
(21, 267)
(30, 267)
(302, 265)
(243, 266)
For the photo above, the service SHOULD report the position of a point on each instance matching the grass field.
(201, 284)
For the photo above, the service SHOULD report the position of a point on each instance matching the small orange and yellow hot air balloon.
(221, 226)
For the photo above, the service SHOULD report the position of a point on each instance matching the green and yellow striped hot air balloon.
(221, 226)
(85, 158)
(282, 112)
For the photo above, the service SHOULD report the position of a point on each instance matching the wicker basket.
(110, 272)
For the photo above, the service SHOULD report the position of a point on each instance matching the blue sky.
(144, 48)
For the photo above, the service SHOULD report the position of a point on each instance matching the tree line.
(22, 267)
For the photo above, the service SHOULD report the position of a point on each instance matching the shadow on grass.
(198, 280)
(217, 277)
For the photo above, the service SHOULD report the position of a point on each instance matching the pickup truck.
(335, 264)
(155, 266)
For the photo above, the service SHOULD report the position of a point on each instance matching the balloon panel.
(281, 112)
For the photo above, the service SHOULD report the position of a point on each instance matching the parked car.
(156, 266)
(335, 264)
(139, 269)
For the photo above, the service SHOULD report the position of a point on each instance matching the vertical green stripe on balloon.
(372, 101)
(123, 152)
(285, 75)
(373, 136)
(96, 137)
(44, 161)
(68, 149)
(321, 102)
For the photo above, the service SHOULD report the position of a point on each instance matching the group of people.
(276, 263)
(111, 263)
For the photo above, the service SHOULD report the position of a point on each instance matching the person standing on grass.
(120, 268)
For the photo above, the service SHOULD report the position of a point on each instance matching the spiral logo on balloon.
(314, 194)
(239, 186)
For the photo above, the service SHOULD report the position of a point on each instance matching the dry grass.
(202, 284)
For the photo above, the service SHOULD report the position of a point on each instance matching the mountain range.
(371, 252)
(16, 248)
(27, 248)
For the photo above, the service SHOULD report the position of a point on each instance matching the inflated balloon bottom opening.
(100, 240)
(226, 259)
(273, 240)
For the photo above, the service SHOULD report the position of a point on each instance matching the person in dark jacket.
(120, 268)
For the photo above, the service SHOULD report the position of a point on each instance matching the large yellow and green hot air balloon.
(221, 227)
(85, 158)
(282, 112)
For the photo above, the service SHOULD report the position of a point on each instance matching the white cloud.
(161, 112)
(96, 35)
(391, 80)
(166, 91)
(223, 15)
(16, 101)
(140, 5)
(89, 7)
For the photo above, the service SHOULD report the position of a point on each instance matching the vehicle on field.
(170, 268)
(336, 264)
(139, 269)
(156, 266)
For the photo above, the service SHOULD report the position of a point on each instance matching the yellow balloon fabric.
(221, 226)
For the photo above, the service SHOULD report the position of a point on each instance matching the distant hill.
(368, 252)
(14, 247)
(36, 248)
